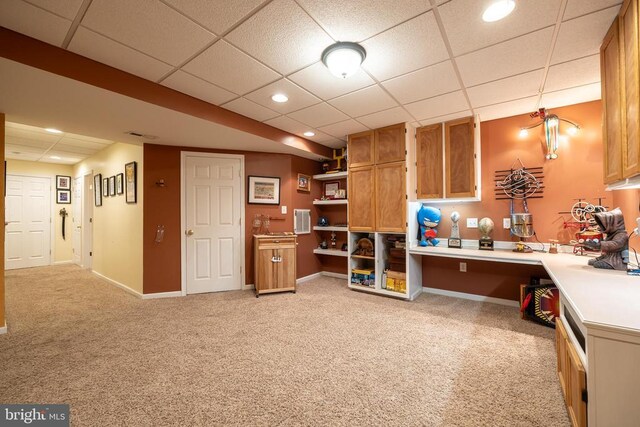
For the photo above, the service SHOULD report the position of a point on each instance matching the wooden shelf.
(330, 228)
(362, 257)
(330, 176)
(331, 252)
(378, 291)
(331, 202)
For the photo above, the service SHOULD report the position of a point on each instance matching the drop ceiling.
(427, 60)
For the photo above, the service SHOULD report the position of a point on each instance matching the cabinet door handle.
(276, 259)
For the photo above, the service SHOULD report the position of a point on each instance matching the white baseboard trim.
(70, 261)
(3, 330)
(248, 287)
(336, 275)
(118, 284)
(172, 294)
(307, 278)
(473, 297)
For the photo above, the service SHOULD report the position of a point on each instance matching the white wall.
(117, 225)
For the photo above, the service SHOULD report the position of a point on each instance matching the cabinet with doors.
(572, 376)
(446, 160)
(275, 263)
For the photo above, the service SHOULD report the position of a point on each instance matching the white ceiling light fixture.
(498, 10)
(309, 133)
(53, 130)
(343, 59)
(55, 157)
(280, 97)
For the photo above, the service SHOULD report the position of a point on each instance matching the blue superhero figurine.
(428, 219)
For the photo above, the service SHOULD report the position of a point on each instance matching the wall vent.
(302, 221)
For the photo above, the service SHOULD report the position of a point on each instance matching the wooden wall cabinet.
(630, 94)
(572, 376)
(391, 199)
(362, 198)
(390, 144)
(361, 149)
(429, 154)
(274, 264)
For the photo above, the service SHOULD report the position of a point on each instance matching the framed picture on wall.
(304, 182)
(120, 183)
(130, 182)
(105, 187)
(330, 189)
(97, 189)
(264, 190)
(112, 185)
(63, 196)
(63, 182)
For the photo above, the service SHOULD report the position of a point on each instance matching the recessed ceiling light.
(343, 59)
(53, 130)
(280, 97)
(498, 10)
(309, 133)
(55, 157)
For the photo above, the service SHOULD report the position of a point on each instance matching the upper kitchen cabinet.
(390, 144)
(429, 155)
(361, 149)
(631, 101)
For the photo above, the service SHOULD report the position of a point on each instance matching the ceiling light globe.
(343, 59)
(498, 10)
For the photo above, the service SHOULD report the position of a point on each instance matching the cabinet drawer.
(276, 243)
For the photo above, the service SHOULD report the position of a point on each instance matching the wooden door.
(611, 104)
(391, 199)
(629, 73)
(429, 162)
(362, 199)
(287, 266)
(576, 385)
(361, 149)
(460, 158)
(390, 145)
(265, 271)
(561, 353)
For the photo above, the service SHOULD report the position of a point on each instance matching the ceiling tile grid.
(198, 88)
(216, 16)
(508, 89)
(318, 80)
(33, 21)
(250, 109)
(319, 115)
(298, 97)
(425, 83)
(438, 106)
(364, 101)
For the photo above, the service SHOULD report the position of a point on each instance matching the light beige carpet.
(323, 356)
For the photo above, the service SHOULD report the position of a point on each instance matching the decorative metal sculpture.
(551, 124)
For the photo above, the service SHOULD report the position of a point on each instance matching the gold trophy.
(486, 227)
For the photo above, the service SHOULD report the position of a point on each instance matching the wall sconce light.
(551, 125)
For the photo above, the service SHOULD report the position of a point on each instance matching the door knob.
(189, 232)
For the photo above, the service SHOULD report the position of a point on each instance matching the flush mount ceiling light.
(279, 97)
(55, 157)
(551, 125)
(52, 130)
(309, 133)
(498, 10)
(343, 59)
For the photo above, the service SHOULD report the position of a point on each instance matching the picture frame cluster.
(63, 189)
(116, 185)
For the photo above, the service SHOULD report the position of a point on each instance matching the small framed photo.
(97, 189)
(112, 185)
(63, 182)
(105, 187)
(63, 197)
(330, 189)
(264, 190)
(130, 182)
(119, 183)
(304, 182)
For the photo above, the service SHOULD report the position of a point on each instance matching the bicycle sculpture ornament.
(583, 221)
(520, 184)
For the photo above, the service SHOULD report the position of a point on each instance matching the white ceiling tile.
(386, 118)
(425, 83)
(67, 137)
(515, 87)
(215, 15)
(467, 31)
(282, 36)
(149, 26)
(364, 101)
(24, 149)
(333, 143)
(339, 16)
(576, 95)
(573, 73)
(198, 88)
(319, 81)
(298, 97)
(445, 118)
(95, 46)
(228, 67)
(407, 47)
(27, 142)
(34, 22)
(318, 115)
(250, 109)
(508, 58)
(438, 106)
(507, 109)
(15, 130)
(67, 8)
(582, 36)
(288, 125)
(15, 154)
(74, 142)
(342, 129)
(65, 158)
(577, 8)
(71, 149)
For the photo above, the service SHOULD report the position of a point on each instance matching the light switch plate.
(283, 209)
(463, 267)
(506, 223)
(472, 222)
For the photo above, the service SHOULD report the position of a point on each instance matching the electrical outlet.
(472, 222)
(506, 223)
(463, 267)
(283, 209)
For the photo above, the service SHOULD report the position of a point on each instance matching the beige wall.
(117, 226)
(62, 249)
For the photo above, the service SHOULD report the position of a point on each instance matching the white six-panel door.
(28, 213)
(213, 212)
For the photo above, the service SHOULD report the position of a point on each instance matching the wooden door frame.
(52, 208)
(183, 216)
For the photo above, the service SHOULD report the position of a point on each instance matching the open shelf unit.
(330, 176)
(336, 212)
(331, 252)
(331, 202)
(330, 228)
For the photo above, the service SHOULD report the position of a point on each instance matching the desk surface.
(604, 298)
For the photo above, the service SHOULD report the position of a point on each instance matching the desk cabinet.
(572, 376)
(275, 264)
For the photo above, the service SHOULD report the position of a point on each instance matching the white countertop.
(601, 298)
